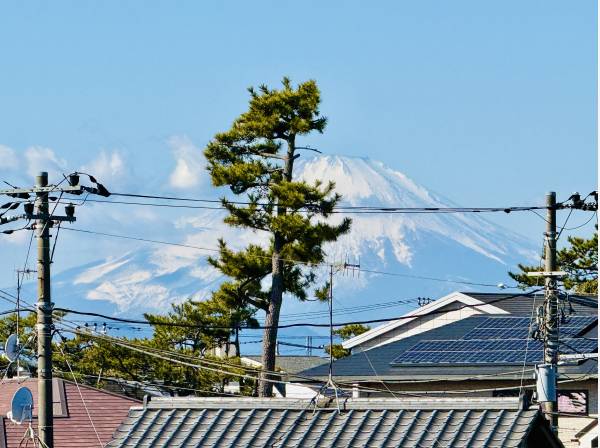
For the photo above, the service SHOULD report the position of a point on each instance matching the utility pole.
(44, 316)
(44, 219)
(550, 407)
(547, 373)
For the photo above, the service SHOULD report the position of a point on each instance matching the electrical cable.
(302, 324)
(584, 224)
(349, 385)
(527, 344)
(337, 209)
(151, 384)
(372, 271)
(286, 260)
(564, 225)
(81, 396)
(96, 335)
(236, 366)
(184, 363)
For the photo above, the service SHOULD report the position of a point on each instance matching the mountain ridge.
(450, 246)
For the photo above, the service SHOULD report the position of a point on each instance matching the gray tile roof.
(377, 361)
(253, 422)
(293, 364)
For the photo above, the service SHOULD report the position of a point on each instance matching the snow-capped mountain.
(446, 246)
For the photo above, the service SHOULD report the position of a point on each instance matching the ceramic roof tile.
(244, 422)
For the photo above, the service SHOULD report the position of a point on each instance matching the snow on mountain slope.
(363, 182)
(452, 246)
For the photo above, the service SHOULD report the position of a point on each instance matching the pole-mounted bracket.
(558, 274)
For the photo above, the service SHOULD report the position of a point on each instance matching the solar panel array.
(518, 327)
(499, 340)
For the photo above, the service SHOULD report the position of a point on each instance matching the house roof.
(72, 427)
(453, 301)
(377, 362)
(253, 422)
(519, 304)
(293, 364)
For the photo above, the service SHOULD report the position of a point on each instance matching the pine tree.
(255, 159)
(346, 332)
(579, 260)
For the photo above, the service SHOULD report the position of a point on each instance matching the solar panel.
(578, 345)
(505, 322)
(498, 333)
(500, 340)
(518, 327)
(487, 351)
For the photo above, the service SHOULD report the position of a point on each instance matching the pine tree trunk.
(265, 388)
(271, 321)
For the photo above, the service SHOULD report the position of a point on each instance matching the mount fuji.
(448, 247)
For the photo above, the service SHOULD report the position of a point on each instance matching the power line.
(581, 225)
(349, 386)
(419, 277)
(286, 260)
(338, 208)
(312, 379)
(301, 324)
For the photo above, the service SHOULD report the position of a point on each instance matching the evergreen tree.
(346, 332)
(8, 326)
(173, 338)
(255, 159)
(579, 260)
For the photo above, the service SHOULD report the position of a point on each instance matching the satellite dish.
(21, 406)
(11, 348)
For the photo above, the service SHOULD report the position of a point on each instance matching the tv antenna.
(21, 410)
(21, 273)
(11, 348)
(21, 406)
(333, 268)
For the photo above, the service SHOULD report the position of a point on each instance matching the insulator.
(73, 179)
(70, 210)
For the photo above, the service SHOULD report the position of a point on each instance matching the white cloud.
(8, 158)
(95, 273)
(44, 159)
(190, 164)
(106, 167)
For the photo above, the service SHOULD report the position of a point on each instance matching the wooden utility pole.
(44, 316)
(550, 407)
(547, 371)
(44, 219)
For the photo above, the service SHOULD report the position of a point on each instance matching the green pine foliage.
(579, 260)
(96, 360)
(8, 326)
(346, 332)
(255, 160)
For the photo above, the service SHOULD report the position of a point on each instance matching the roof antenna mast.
(333, 268)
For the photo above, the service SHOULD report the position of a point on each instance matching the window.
(573, 402)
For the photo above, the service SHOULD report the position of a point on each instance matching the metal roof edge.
(500, 403)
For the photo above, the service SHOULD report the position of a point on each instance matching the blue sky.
(488, 103)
